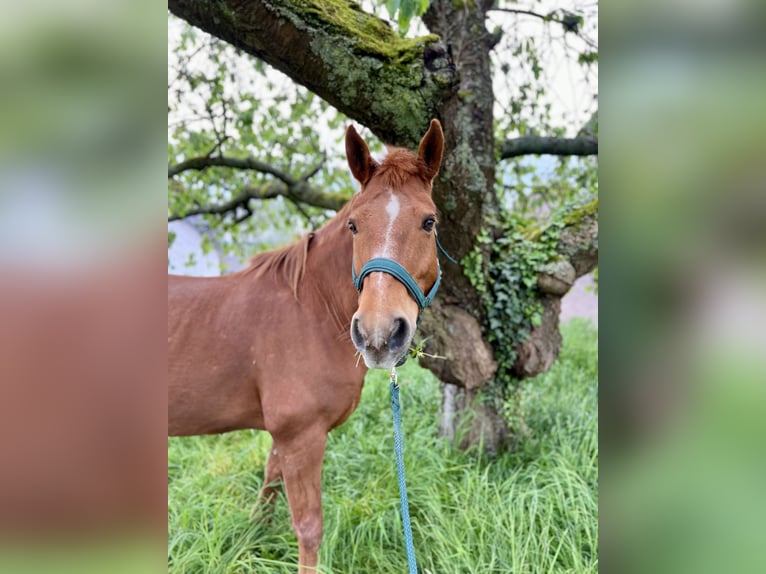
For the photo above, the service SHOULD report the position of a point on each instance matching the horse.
(275, 346)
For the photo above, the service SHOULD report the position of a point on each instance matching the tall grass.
(534, 510)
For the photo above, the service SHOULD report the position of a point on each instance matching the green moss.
(403, 104)
(464, 95)
(372, 36)
(450, 203)
(577, 215)
(565, 219)
(230, 14)
(364, 53)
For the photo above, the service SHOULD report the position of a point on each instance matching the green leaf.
(392, 6)
(406, 12)
(587, 58)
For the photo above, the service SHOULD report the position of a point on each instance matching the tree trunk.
(465, 195)
(464, 359)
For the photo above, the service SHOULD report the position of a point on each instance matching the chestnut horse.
(274, 346)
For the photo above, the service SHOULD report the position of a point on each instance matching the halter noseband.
(401, 274)
(397, 271)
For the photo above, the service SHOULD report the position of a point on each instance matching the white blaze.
(392, 208)
(393, 212)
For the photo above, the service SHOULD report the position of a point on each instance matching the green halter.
(397, 271)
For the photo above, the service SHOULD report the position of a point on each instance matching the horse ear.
(358, 155)
(431, 148)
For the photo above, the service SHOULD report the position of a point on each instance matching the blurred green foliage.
(682, 287)
(81, 126)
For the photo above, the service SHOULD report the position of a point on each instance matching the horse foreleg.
(300, 459)
(272, 484)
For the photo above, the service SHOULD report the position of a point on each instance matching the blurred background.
(683, 284)
(83, 208)
(82, 288)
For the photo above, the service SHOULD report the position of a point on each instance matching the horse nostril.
(400, 334)
(356, 334)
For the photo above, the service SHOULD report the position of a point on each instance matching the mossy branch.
(352, 59)
(539, 145)
(578, 241)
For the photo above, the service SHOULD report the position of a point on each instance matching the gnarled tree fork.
(395, 86)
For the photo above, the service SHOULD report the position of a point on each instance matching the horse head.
(393, 222)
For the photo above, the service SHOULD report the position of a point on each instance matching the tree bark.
(538, 145)
(352, 59)
(465, 195)
(464, 191)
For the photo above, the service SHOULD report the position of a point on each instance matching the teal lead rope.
(398, 449)
(395, 269)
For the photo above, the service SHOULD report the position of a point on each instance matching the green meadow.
(532, 510)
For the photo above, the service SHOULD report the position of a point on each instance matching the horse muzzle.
(382, 342)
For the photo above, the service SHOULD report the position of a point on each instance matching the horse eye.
(428, 224)
(352, 226)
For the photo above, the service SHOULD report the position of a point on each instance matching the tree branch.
(539, 145)
(299, 191)
(571, 22)
(296, 190)
(545, 17)
(204, 162)
(340, 53)
(578, 241)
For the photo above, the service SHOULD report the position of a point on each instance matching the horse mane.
(289, 262)
(398, 166)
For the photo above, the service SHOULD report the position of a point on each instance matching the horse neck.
(329, 270)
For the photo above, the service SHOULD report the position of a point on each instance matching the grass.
(534, 510)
